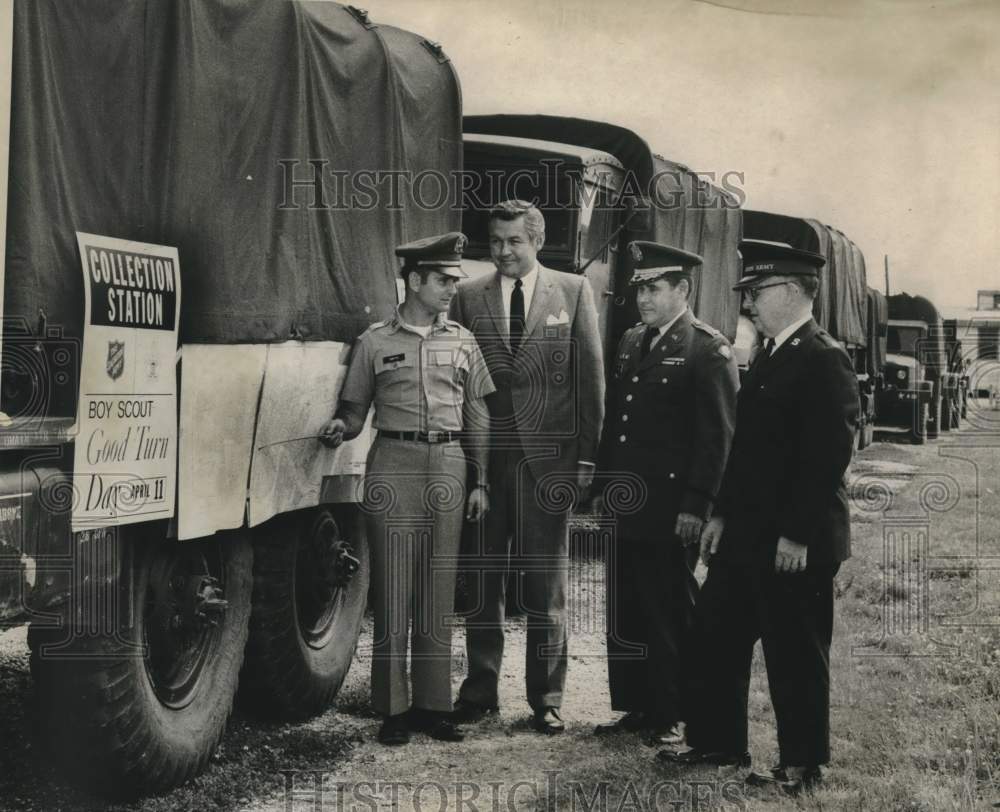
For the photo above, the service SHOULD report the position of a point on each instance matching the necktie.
(516, 315)
(768, 347)
(647, 340)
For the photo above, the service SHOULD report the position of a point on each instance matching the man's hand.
(332, 434)
(791, 557)
(710, 535)
(584, 477)
(688, 528)
(597, 506)
(478, 504)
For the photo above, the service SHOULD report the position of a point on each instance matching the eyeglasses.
(753, 293)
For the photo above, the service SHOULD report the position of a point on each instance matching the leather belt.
(422, 436)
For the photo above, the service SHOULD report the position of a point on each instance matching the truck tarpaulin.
(184, 123)
(841, 303)
(687, 211)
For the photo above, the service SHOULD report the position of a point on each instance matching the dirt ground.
(915, 711)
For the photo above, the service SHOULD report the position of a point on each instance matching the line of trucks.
(284, 149)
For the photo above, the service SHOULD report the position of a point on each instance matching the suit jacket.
(795, 423)
(670, 419)
(550, 393)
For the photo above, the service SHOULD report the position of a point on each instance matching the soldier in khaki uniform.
(427, 380)
(668, 426)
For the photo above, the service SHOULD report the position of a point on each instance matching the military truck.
(600, 186)
(844, 305)
(222, 137)
(920, 387)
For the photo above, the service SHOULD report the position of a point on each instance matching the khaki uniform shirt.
(416, 383)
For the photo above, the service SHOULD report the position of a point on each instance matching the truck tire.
(309, 599)
(143, 710)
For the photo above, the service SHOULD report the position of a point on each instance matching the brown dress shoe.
(548, 721)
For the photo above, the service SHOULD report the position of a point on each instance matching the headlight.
(901, 374)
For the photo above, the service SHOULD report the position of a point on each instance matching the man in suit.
(671, 410)
(780, 531)
(537, 329)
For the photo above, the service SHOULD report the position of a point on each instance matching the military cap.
(763, 260)
(652, 260)
(442, 253)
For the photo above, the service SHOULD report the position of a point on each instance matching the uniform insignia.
(725, 352)
(796, 342)
(674, 362)
(636, 252)
(394, 359)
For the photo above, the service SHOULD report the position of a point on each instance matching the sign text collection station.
(126, 447)
(131, 289)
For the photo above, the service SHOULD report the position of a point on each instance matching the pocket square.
(562, 318)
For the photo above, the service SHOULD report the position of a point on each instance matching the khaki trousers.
(414, 503)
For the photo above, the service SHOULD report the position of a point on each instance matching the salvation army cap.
(442, 253)
(763, 260)
(653, 260)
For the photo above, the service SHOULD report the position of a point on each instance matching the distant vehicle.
(922, 389)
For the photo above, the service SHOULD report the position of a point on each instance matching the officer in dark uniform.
(780, 531)
(668, 424)
(427, 380)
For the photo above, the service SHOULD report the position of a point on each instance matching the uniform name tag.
(674, 362)
(394, 359)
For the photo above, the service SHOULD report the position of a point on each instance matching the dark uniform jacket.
(669, 422)
(795, 426)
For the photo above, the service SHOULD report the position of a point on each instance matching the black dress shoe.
(631, 722)
(467, 712)
(791, 780)
(548, 721)
(801, 780)
(694, 756)
(662, 735)
(770, 777)
(435, 724)
(394, 730)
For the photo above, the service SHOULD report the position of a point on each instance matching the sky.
(878, 117)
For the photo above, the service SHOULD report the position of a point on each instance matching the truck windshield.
(904, 340)
(555, 193)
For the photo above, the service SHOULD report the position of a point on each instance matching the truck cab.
(906, 392)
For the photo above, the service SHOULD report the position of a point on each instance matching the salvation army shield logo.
(116, 359)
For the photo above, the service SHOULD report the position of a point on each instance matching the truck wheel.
(142, 711)
(310, 593)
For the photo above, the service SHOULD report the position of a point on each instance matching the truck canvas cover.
(168, 121)
(841, 304)
(687, 211)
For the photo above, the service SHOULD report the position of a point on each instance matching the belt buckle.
(434, 436)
